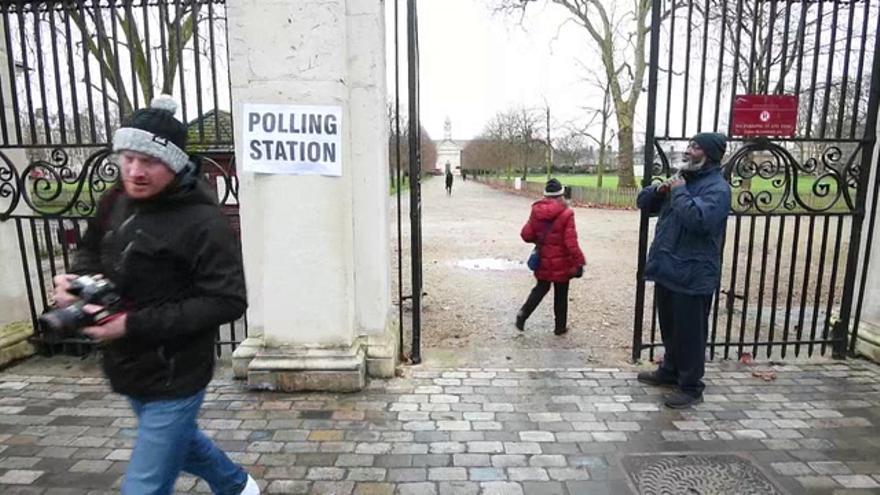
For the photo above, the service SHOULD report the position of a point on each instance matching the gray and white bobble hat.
(155, 132)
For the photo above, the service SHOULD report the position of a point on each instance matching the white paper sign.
(292, 139)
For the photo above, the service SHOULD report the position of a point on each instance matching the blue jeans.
(168, 441)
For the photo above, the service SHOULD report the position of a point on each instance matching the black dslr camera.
(90, 290)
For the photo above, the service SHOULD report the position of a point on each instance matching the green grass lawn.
(581, 180)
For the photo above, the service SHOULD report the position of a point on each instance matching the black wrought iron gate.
(70, 72)
(793, 263)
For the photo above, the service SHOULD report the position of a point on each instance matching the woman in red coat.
(551, 228)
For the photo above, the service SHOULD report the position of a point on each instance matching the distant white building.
(449, 151)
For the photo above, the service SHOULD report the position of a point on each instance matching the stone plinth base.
(868, 342)
(14, 344)
(292, 369)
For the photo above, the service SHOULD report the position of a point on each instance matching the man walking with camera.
(162, 241)
(685, 263)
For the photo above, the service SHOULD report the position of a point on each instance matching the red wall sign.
(764, 115)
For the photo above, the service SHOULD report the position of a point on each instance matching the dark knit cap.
(714, 144)
(155, 132)
(553, 188)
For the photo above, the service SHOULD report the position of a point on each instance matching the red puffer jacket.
(560, 254)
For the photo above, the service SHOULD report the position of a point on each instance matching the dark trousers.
(560, 301)
(684, 326)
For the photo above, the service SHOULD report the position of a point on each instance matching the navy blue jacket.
(686, 253)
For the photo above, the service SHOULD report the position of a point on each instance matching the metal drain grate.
(696, 475)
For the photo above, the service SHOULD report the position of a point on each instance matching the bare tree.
(621, 37)
(606, 134)
(101, 26)
(428, 148)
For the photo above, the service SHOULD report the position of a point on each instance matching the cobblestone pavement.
(469, 431)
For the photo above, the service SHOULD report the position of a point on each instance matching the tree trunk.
(626, 178)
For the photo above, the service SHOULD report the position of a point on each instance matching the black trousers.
(684, 327)
(560, 301)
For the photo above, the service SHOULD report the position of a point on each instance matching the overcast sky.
(475, 63)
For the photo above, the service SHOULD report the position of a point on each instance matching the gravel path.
(476, 278)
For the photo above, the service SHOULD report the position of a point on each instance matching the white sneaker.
(251, 488)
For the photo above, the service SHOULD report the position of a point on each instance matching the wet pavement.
(548, 430)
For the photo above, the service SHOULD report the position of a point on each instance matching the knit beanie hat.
(155, 132)
(714, 144)
(553, 188)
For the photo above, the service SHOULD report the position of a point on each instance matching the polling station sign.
(292, 139)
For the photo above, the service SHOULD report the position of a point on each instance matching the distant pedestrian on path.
(551, 227)
(685, 263)
(464, 175)
(449, 179)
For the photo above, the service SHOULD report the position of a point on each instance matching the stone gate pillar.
(868, 342)
(15, 318)
(316, 249)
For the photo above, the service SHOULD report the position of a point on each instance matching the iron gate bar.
(791, 274)
(58, 100)
(12, 83)
(71, 72)
(717, 297)
(131, 60)
(26, 269)
(415, 178)
(807, 266)
(823, 122)
(750, 88)
(198, 70)
(99, 25)
(769, 47)
(734, 78)
(815, 68)
(720, 67)
(843, 89)
(730, 299)
(178, 13)
(646, 179)
(764, 253)
(781, 238)
(88, 79)
(860, 72)
(399, 182)
(27, 79)
(747, 285)
(784, 72)
(668, 72)
(213, 51)
(687, 68)
(703, 68)
(833, 285)
(817, 301)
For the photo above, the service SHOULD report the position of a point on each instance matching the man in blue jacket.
(685, 263)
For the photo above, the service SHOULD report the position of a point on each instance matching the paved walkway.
(466, 431)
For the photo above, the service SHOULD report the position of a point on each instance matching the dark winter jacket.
(177, 266)
(686, 253)
(551, 226)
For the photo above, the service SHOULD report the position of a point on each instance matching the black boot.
(520, 321)
(656, 379)
(681, 400)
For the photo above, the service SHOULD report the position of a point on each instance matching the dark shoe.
(656, 379)
(520, 322)
(681, 400)
(561, 331)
